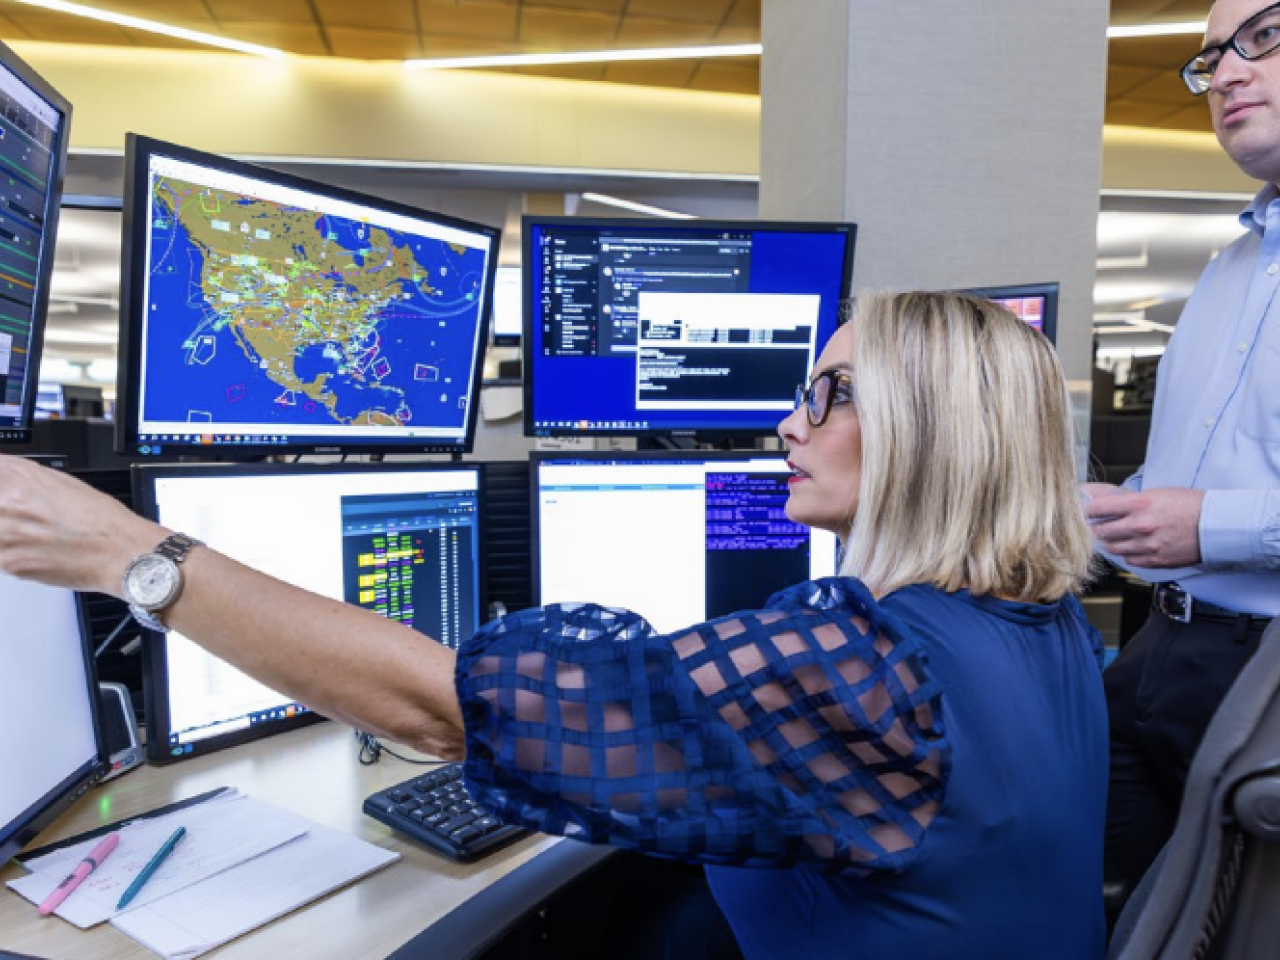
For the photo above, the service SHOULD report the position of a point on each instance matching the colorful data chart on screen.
(269, 305)
(29, 131)
(1030, 310)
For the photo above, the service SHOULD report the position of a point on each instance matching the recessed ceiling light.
(1195, 27)
(151, 26)
(587, 56)
(631, 205)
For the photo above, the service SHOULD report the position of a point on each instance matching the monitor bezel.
(138, 152)
(31, 822)
(538, 457)
(154, 652)
(706, 434)
(22, 432)
(1050, 290)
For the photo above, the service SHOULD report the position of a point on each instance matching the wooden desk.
(312, 772)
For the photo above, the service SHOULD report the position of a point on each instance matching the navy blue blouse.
(823, 737)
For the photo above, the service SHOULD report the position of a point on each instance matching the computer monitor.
(689, 328)
(508, 316)
(52, 742)
(263, 313)
(1035, 304)
(676, 537)
(403, 541)
(34, 124)
(50, 403)
(83, 403)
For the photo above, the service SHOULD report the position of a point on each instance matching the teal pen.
(152, 866)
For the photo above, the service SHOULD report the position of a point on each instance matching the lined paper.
(242, 864)
(221, 833)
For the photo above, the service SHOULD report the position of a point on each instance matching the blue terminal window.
(705, 534)
(262, 311)
(637, 327)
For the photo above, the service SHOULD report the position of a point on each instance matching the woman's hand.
(55, 529)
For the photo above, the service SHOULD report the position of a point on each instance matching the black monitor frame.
(21, 433)
(23, 829)
(724, 436)
(138, 153)
(154, 657)
(1048, 290)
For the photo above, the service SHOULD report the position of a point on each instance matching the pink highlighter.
(82, 870)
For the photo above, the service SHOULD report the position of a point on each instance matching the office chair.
(1212, 892)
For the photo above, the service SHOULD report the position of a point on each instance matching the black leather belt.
(1174, 602)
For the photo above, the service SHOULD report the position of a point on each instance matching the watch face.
(152, 581)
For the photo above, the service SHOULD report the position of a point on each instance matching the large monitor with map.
(403, 541)
(699, 328)
(34, 125)
(263, 313)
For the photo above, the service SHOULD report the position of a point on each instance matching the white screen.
(508, 314)
(46, 717)
(633, 534)
(286, 525)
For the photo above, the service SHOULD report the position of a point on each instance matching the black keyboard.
(435, 810)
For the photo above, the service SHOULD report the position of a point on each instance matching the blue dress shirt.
(919, 776)
(1216, 422)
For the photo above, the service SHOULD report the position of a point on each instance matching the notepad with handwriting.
(196, 908)
(222, 833)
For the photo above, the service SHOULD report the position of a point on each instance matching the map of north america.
(264, 313)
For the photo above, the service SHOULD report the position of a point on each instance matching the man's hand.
(1155, 528)
(55, 529)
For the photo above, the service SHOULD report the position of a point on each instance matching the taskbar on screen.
(563, 428)
(159, 444)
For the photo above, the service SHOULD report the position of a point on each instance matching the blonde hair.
(968, 473)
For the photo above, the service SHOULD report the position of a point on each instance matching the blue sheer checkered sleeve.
(809, 731)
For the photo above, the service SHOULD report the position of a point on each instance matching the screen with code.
(636, 327)
(678, 538)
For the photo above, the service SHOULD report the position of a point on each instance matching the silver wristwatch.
(153, 581)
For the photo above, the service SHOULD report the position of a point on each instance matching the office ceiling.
(1142, 85)
(1148, 257)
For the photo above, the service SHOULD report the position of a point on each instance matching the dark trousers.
(1162, 692)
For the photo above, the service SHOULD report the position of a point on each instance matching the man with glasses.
(1201, 518)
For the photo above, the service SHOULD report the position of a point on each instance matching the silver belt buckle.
(1175, 603)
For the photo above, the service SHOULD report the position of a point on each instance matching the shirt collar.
(1254, 217)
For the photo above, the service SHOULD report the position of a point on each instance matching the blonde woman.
(905, 761)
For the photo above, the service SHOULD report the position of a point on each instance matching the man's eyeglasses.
(824, 391)
(1255, 38)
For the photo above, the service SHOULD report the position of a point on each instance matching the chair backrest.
(1216, 884)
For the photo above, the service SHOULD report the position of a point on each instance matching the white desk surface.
(315, 773)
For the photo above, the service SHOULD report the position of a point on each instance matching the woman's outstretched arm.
(341, 661)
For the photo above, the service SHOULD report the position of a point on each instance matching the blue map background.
(439, 331)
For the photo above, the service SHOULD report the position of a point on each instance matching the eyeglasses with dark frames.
(826, 390)
(1253, 39)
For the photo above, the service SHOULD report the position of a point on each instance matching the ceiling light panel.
(152, 26)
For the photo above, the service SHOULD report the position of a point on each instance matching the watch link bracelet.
(153, 581)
